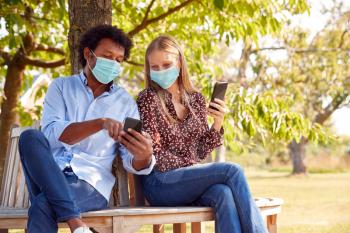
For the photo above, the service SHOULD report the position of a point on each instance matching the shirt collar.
(112, 86)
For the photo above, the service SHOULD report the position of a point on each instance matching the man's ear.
(87, 54)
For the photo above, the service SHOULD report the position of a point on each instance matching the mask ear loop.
(91, 52)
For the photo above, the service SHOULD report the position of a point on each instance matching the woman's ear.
(178, 65)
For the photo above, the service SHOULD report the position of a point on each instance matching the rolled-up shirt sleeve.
(53, 121)
(127, 157)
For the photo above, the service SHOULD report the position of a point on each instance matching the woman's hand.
(217, 110)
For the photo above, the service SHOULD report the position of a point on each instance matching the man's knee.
(29, 140)
(29, 135)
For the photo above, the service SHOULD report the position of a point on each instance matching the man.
(68, 165)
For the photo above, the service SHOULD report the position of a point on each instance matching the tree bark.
(297, 155)
(297, 150)
(84, 14)
(220, 153)
(13, 84)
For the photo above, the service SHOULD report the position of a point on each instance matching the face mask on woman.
(105, 70)
(165, 78)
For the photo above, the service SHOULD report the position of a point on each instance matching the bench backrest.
(14, 193)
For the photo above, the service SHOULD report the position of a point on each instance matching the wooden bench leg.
(272, 223)
(157, 228)
(119, 226)
(179, 227)
(197, 227)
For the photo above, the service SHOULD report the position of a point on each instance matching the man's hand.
(139, 145)
(113, 127)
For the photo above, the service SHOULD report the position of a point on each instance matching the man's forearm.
(78, 131)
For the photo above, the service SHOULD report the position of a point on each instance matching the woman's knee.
(234, 169)
(219, 193)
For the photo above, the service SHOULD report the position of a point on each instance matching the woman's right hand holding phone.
(217, 110)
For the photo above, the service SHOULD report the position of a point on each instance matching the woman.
(175, 115)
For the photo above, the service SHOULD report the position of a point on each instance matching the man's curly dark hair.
(92, 37)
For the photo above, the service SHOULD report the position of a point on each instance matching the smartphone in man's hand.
(131, 123)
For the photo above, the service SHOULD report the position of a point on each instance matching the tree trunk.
(220, 153)
(12, 89)
(297, 155)
(84, 14)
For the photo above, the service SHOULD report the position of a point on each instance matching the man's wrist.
(146, 161)
(140, 164)
(101, 122)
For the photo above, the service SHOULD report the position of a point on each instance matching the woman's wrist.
(217, 126)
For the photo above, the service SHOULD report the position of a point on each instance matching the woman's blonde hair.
(169, 44)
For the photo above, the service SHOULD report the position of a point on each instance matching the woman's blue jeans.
(55, 196)
(222, 186)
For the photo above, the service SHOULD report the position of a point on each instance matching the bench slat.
(14, 175)
(20, 213)
(9, 173)
(261, 202)
(21, 189)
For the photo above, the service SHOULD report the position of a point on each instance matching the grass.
(317, 203)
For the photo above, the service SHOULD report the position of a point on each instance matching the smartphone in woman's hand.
(219, 92)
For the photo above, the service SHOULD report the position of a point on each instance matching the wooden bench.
(128, 210)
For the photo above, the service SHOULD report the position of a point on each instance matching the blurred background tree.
(35, 39)
(312, 70)
(265, 108)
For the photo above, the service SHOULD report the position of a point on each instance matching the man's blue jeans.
(55, 196)
(222, 186)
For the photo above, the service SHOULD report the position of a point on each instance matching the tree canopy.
(270, 107)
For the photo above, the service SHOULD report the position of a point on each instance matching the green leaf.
(219, 4)
(12, 2)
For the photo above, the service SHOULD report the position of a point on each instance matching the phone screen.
(132, 123)
(219, 91)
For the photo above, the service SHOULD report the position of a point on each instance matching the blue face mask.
(165, 78)
(105, 70)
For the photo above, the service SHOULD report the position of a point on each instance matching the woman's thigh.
(184, 185)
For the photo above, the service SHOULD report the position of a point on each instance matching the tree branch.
(341, 43)
(134, 63)
(6, 56)
(44, 64)
(147, 11)
(296, 50)
(147, 22)
(331, 107)
(38, 18)
(41, 47)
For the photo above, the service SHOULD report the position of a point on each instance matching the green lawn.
(318, 203)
